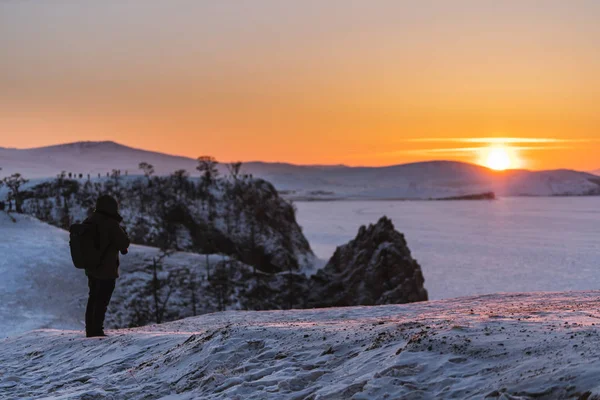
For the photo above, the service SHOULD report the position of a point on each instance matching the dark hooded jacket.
(111, 237)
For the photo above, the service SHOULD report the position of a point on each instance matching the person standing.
(113, 238)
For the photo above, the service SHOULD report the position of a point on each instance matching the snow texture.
(40, 288)
(519, 346)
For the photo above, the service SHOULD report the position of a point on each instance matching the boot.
(96, 334)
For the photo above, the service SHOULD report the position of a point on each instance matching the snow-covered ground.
(481, 247)
(505, 346)
(465, 248)
(40, 288)
(519, 346)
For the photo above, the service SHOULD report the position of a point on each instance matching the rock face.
(244, 218)
(375, 268)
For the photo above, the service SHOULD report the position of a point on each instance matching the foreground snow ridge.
(536, 345)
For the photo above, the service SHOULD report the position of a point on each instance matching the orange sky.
(354, 82)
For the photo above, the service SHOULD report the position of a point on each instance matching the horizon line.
(341, 165)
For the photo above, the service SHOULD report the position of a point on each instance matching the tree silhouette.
(234, 169)
(207, 166)
(1, 202)
(158, 284)
(148, 170)
(14, 183)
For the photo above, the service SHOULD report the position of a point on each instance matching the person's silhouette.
(113, 239)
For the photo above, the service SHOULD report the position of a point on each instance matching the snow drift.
(519, 346)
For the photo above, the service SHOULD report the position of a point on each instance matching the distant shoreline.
(321, 199)
(308, 199)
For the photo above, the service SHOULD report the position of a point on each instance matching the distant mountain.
(86, 158)
(435, 179)
(596, 172)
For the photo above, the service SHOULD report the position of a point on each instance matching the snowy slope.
(39, 287)
(435, 179)
(86, 158)
(546, 183)
(519, 346)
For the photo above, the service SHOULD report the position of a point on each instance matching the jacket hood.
(107, 205)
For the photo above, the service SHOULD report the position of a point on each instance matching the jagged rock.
(375, 268)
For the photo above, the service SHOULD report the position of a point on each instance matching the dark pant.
(101, 291)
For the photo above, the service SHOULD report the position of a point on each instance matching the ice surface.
(500, 347)
(479, 247)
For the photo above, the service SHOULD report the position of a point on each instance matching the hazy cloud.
(501, 140)
(469, 151)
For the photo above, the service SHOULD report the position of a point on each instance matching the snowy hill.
(40, 288)
(520, 346)
(436, 179)
(86, 158)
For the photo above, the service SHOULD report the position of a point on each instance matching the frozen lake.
(469, 248)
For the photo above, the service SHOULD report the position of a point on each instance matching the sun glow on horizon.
(499, 158)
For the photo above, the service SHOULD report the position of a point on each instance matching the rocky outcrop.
(375, 268)
(263, 254)
(244, 218)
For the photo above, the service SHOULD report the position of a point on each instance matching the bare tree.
(14, 183)
(116, 176)
(1, 202)
(220, 284)
(160, 305)
(179, 179)
(192, 285)
(60, 178)
(148, 170)
(234, 169)
(207, 165)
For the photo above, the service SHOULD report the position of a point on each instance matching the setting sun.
(499, 158)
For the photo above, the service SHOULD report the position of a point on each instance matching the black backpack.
(85, 249)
